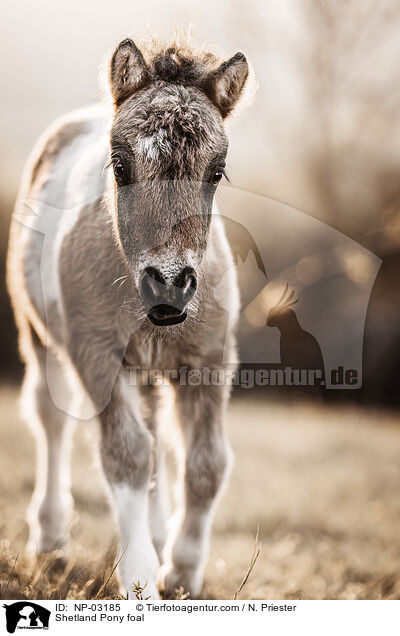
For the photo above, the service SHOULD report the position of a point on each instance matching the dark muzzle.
(167, 300)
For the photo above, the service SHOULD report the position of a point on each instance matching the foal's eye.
(216, 177)
(119, 170)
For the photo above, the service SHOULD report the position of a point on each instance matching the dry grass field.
(323, 485)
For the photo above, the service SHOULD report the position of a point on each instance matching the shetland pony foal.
(146, 224)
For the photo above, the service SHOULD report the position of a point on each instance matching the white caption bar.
(144, 617)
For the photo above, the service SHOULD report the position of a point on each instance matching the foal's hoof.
(42, 544)
(173, 582)
(39, 545)
(55, 562)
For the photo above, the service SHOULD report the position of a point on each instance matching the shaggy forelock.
(170, 107)
(180, 61)
(171, 121)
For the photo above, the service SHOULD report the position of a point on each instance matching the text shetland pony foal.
(146, 225)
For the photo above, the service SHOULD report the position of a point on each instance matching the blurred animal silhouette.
(242, 243)
(299, 348)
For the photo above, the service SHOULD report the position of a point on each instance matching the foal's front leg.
(206, 459)
(126, 450)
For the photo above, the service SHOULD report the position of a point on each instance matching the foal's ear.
(225, 85)
(128, 71)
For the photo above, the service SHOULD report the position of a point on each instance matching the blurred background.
(322, 137)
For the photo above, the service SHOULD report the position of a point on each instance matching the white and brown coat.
(90, 246)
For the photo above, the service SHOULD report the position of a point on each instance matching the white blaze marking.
(153, 145)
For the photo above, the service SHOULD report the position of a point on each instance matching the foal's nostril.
(152, 286)
(187, 282)
(155, 274)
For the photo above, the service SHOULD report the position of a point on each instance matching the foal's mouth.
(166, 315)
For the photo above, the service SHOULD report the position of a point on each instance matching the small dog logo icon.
(26, 615)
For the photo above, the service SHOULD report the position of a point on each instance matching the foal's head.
(168, 149)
